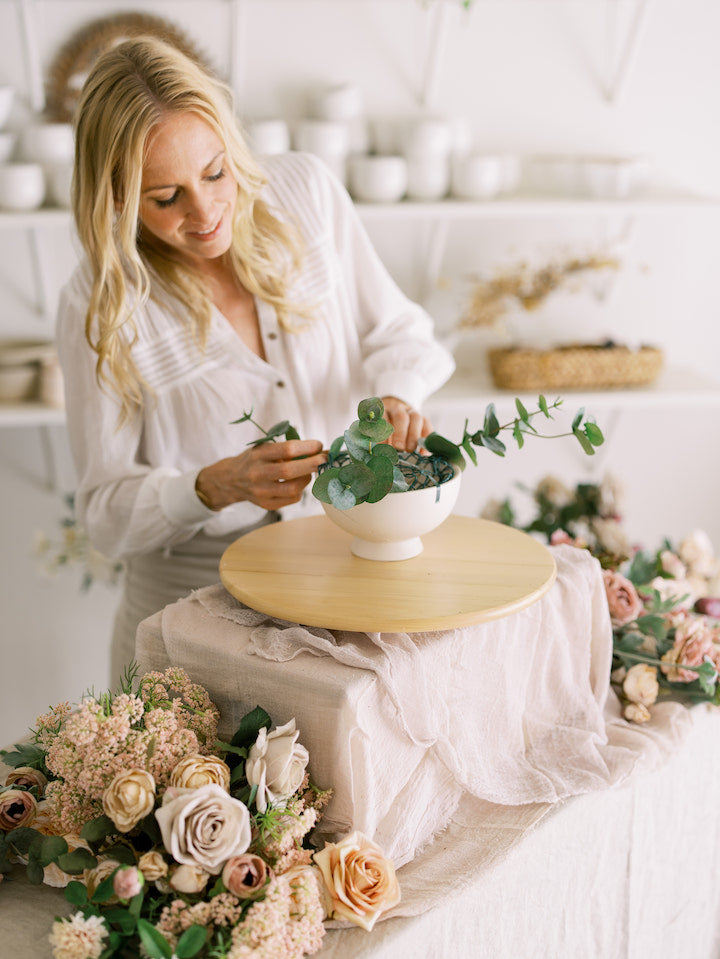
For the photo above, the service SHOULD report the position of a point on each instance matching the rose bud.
(708, 606)
(127, 882)
(244, 876)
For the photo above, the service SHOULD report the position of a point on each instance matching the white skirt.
(156, 579)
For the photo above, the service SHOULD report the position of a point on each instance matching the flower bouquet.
(171, 843)
(664, 604)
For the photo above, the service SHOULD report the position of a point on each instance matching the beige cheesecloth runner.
(402, 726)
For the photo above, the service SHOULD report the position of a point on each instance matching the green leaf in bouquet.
(135, 907)
(376, 430)
(642, 569)
(629, 642)
(95, 830)
(76, 893)
(542, 404)
(491, 443)
(22, 838)
(441, 446)
(382, 470)
(335, 447)
(340, 496)
(707, 678)
(594, 433)
(245, 418)
(651, 625)
(578, 419)
(121, 853)
(518, 434)
(155, 944)
(400, 484)
(149, 827)
(389, 452)
(122, 918)
(24, 754)
(357, 444)
(356, 477)
(34, 872)
(371, 409)
(583, 441)
(191, 942)
(76, 861)
(320, 486)
(522, 412)
(105, 891)
(249, 728)
(491, 426)
(51, 848)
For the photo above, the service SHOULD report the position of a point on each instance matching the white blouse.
(135, 489)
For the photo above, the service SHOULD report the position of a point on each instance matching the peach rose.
(197, 770)
(360, 881)
(129, 798)
(693, 643)
(189, 879)
(28, 777)
(636, 713)
(203, 827)
(276, 764)
(153, 865)
(623, 600)
(640, 684)
(17, 808)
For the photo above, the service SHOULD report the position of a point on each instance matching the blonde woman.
(213, 283)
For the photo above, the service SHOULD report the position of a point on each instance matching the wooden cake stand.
(470, 571)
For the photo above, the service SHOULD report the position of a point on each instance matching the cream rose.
(152, 865)
(636, 713)
(203, 827)
(641, 685)
(197, 770)
(245, 876)
(696, 551)
(189, 879)
(28, 777)
(93, 877)
(129, 798)
(276, 764)
(624, 603)
(360, 881)
(17, 808)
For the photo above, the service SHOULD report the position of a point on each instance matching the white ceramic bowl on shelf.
(477, 176)
(268, 137)
(47, 143)
(378, 179)
(390, 530)
(22, 186)
(7, 145)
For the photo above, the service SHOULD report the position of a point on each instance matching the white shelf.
(30, 414)
(674, 387)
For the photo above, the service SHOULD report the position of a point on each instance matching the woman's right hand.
(271, 475)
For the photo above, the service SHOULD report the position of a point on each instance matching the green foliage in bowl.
(368, 468)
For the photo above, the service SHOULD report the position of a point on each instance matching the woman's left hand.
(409, 425)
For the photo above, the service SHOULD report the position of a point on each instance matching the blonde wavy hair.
(129, 90)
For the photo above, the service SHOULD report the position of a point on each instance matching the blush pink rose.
(623, 600)
(127, 882)
(693, 644)
(245, 876)
(17, 808)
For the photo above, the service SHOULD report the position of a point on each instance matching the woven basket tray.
(574, 366)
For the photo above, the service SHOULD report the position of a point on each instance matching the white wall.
(527, 73)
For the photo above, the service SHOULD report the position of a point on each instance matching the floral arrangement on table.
(368, 469)
(171, 843)
(74, 549)
(664, 604)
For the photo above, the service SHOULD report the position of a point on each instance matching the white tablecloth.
(403, 726)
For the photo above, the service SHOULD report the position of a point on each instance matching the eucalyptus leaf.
(357, 477)
(376, 430)
(584, 441)
(467, 445)
(594, 433)
(341, 497)
(358, 446)
(522, 412)
(97, 829)
(76, 893)
(52, 847)
(400, 484)
(371, 408)
(335, 447)
(105, 891)
(34, 872)
(389, 452)
(382, 470)
(542, 403)
(491, 443)
(76, 861)
(320, 486)
(24, 754)
(22, 838)
(578, 418)
(441, 446)
(121, 853)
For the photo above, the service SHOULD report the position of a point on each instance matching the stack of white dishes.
(51, 147)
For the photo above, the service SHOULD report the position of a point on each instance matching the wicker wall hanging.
(71, 65)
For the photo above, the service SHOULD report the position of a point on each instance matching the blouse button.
(280, 383)
(272, 336)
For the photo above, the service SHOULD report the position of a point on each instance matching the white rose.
(554, 491)
(276, 764)
(152, 865)
(197, 770)
(129, 798)
(203, 827)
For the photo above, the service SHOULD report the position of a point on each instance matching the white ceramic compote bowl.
(385, 499)
(391, 529)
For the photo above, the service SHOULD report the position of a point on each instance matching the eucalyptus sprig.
(584, 429)
(269, 436)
